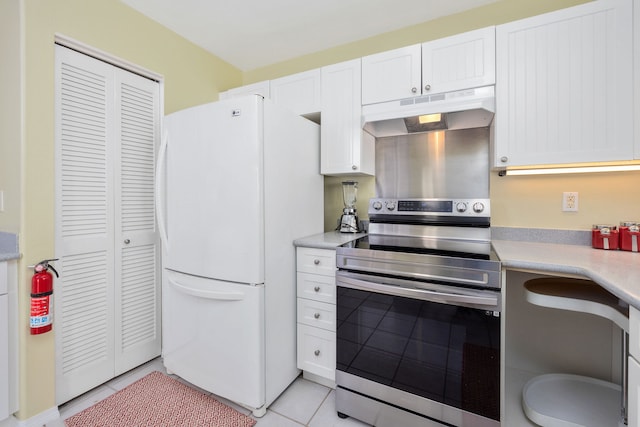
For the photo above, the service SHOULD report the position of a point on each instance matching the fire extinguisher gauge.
(44, 266)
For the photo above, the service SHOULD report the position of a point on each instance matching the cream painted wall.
(495, 13)
(536, 201)
(191, 76)
(10, 108)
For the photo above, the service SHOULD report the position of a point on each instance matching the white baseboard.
(318, 379)
(38, 420)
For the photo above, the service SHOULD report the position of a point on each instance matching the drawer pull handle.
(317, 289)
(317, 352)
(316, 261)
(316, 315)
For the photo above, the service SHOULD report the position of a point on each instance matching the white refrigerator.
(238, 182)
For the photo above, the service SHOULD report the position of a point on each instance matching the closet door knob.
(316, 261)
(317, 289)
(127, 241)
(316, 316)
(427, 87)
(317, 352)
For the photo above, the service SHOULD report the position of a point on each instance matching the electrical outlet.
(570, 201)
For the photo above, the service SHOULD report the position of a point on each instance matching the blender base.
(349, 224)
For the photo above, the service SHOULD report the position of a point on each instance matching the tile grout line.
(318, 408)
(283, 416)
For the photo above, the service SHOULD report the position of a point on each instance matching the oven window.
(445, 353)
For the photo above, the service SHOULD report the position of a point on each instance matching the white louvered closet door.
(137, 262)
(107, 314)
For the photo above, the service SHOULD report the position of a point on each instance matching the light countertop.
(8, 246)
(616, 271)
(328, 240)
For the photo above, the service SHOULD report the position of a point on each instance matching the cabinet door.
(463, 61)
(299, 92)
(634, 332)
(563, 88)
(345, 148)
(4, 355)
(391, 75)
(633, 406)
(259, 88)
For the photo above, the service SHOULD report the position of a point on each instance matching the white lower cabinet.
(8, 340)
(317, 351)
(4, 356)
(633, 405)
(634, 392)
(316, 293)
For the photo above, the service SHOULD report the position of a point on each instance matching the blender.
(349, 221)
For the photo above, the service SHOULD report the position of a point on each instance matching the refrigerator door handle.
(162, 155)
(200, 293)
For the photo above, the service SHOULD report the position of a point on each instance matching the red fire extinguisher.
(41, 319)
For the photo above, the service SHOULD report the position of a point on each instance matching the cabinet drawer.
(317, 287)
(317, 314)
(316, 261)
(634, 332)
(317, 351)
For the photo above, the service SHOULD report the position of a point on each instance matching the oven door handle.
(485, 300)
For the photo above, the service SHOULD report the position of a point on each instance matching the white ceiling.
(251, 34)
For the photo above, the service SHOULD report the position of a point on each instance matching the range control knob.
(391, 206)
(478, 207)
(461, 206)
(377, 205)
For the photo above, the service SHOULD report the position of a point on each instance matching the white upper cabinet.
(458, 62)
(463, 61)
(299, 92)
(259, 88)
(564, 87)
(345, 147)
(391, 75)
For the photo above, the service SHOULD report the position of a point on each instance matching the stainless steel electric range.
(419, 307)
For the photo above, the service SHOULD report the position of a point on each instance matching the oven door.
(430, 349)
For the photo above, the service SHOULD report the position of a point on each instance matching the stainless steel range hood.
(465, 109)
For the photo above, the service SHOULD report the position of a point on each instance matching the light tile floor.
(304, 403)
